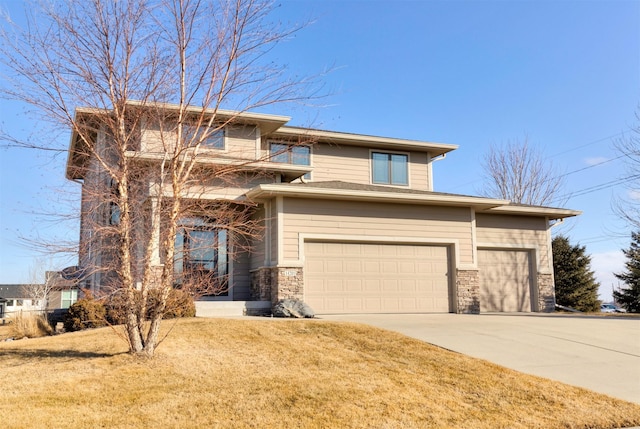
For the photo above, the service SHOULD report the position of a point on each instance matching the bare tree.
(108, 70)
(519, 173)
(628, 207)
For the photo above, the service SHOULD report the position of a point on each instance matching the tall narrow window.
(390, 168)
(202, 258)
(209, 137)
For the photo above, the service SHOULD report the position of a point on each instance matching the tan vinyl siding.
(258, 243)
(353, 164)
(340, 218)
(513, 231)
(240, 141)
(241, 277)
(231, 188)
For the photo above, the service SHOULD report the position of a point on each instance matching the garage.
(505, 280)
(376, 278)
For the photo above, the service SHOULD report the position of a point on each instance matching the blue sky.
(565, 75)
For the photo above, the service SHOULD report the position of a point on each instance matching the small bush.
(179, 304)
(30, 325)
(85, 313)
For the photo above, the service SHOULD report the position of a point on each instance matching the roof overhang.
(480, 204)
(550, 212)
(349, 139)
(268, 123)
(267, 191)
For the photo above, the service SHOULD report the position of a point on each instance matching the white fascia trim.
(551, 212)
(374, 239)
(280, 232)
(474, 238)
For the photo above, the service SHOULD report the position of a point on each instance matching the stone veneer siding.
(276, 283)
(546, 293)
(468, 291)
(288, 283)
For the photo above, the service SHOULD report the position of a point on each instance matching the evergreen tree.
(629, 297)
(575, 283)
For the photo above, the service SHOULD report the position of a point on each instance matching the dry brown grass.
(272, 373)
(27, 325)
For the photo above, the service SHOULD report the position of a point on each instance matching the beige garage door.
(376, 278)
(505, 280)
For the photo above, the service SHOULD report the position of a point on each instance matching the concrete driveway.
(598, 353)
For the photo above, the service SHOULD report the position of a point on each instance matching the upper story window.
(390, 168)
(291, 154)
(211, 137)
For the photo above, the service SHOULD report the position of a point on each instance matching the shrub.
(179, 304)
(30, 325)
(85, 313)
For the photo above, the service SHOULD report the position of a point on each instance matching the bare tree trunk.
(118, 70)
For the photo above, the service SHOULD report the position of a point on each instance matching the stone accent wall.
(546, 293)
(261, 280)
(468, 291)
(288, 283)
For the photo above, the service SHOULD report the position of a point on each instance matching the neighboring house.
(15, 298)
(351, 224)
(62, 292)
(56, 293)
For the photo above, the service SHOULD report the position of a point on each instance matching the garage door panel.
(505, 280)
(371, 278)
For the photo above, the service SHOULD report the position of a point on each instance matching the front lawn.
(268, 373)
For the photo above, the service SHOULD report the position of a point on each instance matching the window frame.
(389, 166)
(215, 134)
(184, 264)
(72, 297)
(289, 152)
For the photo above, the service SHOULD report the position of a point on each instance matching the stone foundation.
(546, 293)
(468, 291)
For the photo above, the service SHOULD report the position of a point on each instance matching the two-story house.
(349, 224)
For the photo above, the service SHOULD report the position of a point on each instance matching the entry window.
(291, 154)
(211, 138)
(390, 168)
(202, 258)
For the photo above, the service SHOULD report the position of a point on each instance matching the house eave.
(349, 139)
(550, 212)
(268, 191)
(288, 172)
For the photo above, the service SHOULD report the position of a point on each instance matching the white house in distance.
(351, 224)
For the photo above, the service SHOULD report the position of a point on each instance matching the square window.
(68, 298)
(390, 168)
